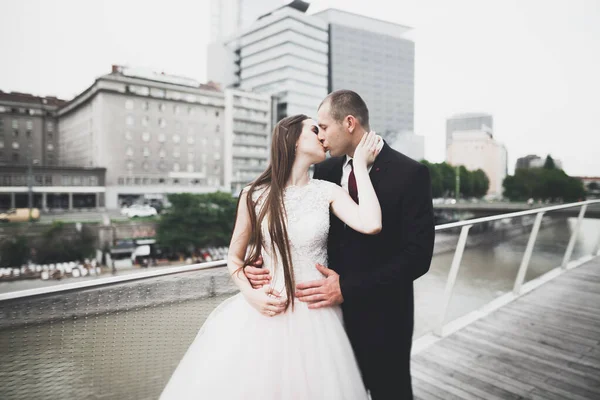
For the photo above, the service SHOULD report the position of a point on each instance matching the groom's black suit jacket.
(377, 271)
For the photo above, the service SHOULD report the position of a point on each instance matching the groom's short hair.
(346, 102)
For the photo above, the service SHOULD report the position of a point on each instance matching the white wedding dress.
(301, 354)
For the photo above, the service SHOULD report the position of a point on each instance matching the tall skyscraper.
(375, 59)
(468, 122)
(285, 54)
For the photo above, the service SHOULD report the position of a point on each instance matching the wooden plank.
(425, 375)
(508, 369)
(474, 382)
(527, 345)
(572, 316)
(459, 364)
(525, 361)
(506, 320)
(426, 391)
(553, 322)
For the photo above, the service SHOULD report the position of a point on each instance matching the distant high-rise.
(471, 143)
(375, 59)
(533, 161)
(285, 54)
(468, 122)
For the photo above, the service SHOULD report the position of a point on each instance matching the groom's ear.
(351, 123)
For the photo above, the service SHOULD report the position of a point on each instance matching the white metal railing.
(452, 275)
(464, 233)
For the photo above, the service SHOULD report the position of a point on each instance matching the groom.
(372, 276)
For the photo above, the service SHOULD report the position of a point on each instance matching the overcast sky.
(533, 64)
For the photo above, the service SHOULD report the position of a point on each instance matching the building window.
(145, 181)
(162, 137)
(50, 136)
(145, 165)
(50, 127)
(129, 104)
(50, 147)
(162, 153)
(176, 109)
(190, 140)
(121, 181)
(191, 155)
(161, 107)
(218, 128)
(176, 152)
(66, 180)
(145, 121)
(15, 124)
(162, 166)
(190, 167)
(1, 144)
(216, 113)
(128, 135)
(48, 180)
(76, 181)
(93, 181)
(29, 125)
(146, 152)
(16, 133)
(145, 106)
(175, 167)
(191, 110)
(129, 151)
(217, 156)
(137, 181)
(162, 122)
(50, 159)
(28, 134)
(146, 136)
(15, 145)
(129, 120)
(128, 180)
(157, 93)
(176, 138)
(130, 165)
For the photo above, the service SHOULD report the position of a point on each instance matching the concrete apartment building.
(247, 136)
(156, 134)
(468, 122)
(29, 154)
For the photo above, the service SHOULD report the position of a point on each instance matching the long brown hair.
(283, 154)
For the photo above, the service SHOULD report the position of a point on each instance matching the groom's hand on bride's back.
(257, 275)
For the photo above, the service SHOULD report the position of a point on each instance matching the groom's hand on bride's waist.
(322, 293)
(257, 275)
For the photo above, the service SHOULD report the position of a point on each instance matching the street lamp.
(30, 163)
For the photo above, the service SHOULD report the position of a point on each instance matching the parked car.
(19, 215)
(138, 210)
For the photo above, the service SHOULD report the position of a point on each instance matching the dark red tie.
(352, 188)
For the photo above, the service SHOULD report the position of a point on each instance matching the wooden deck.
(544, 345)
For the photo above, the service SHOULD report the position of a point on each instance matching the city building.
(28, 129)
(410, 145)
(228, 18)
(284, 54)
(247, 137)
(476, 149)
(29, 158)
(468, 122)
(534, 161)
(154, 133)
(377, 60)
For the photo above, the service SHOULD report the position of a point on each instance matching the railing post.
(460, 247)
(527, 256)
(571, 244)
(596, 251)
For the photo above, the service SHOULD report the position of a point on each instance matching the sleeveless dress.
(301, 354)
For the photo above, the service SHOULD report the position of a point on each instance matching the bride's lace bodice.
(307, 209)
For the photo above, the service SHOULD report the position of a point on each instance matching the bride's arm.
(366, 216)
(239, 244)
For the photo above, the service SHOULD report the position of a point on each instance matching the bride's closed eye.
(315, 129)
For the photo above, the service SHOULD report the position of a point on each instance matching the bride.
(260, 343)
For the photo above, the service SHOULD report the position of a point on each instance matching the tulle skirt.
(242, 354)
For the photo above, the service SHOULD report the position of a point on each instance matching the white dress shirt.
(346, 168)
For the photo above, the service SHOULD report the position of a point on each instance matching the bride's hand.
(266, 301)
(366, 151)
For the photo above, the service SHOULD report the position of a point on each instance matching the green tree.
(61, 243)
(466, 182)
(481, 183)
(544, 184)
(437, 188)
(593, 186)
(549, 163)
(448, 174)
(197, 220)
(14, 252)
